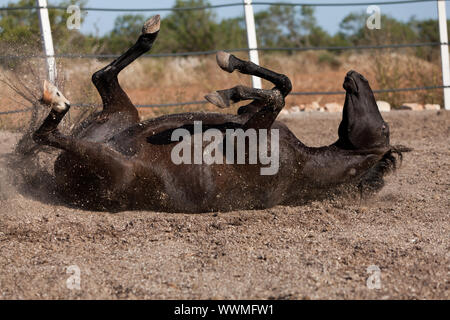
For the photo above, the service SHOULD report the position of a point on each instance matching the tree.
(22, 27)
(189, 30)
(200, 30)
(231, 34)
(313, 35)
(181, 31)
(393, 31)
(427, 32)
(278, 26)
(286, 26)
(124, 33)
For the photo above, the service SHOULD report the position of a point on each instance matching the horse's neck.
(330, 165)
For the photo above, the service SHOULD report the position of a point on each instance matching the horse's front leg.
(106, 80)
(109, 165)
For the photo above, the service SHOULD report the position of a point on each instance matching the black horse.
(115, 162)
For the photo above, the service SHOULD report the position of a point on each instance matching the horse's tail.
(373, 180)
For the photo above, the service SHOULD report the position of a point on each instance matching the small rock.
(333, 107)
(432, 107)
(383, 106)
(413, 106)
(312, 106)
(315, 105)
(295, 109)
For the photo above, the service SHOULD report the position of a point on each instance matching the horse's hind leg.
(105, 80)
(229, 63)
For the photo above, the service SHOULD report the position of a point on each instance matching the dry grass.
(170, 80)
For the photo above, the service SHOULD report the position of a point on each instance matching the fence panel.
(252, 44)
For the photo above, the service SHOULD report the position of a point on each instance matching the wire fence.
(217, 6)
(201, 102)
(210, 52)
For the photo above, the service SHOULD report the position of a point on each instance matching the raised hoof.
(218, 99)
(224, 61)
(53, 97)
(152, 25)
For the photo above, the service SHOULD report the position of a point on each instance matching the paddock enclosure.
(322, 250)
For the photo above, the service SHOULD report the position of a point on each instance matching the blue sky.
(327, 17)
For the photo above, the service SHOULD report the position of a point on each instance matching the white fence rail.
(251, 39)
(47, 40)
(444, 52)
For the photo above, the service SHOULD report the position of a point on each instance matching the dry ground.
(318, 251)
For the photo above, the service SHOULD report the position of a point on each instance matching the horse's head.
(53, 97)
(362, 126)
(363, 131)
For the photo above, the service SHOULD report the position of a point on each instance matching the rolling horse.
(113, 161)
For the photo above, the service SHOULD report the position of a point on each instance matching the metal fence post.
(444, 51)
(46, 34)
(251, 39)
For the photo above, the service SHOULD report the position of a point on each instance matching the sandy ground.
(318, 251)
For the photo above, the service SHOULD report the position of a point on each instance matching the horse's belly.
(200, 188)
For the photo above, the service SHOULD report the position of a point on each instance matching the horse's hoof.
(53, 97)
(152, 25)
(217, 99)
(224, 61)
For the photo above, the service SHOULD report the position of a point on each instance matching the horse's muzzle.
(350, 84)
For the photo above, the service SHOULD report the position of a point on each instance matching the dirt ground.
(318, 251)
